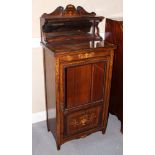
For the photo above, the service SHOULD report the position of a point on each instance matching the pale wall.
(106, 8)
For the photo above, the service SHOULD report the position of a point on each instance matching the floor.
(111, 143)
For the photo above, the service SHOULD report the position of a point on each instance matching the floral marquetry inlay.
(86, 55)
(83, 120)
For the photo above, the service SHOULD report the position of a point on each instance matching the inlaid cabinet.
(78, 71)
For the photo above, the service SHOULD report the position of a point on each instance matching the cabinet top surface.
(71, 45)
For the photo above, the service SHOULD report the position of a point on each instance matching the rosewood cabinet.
(78, 71)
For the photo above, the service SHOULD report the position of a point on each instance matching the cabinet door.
(78, 85)
(84, 83)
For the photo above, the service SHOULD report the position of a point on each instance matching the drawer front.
(83, 120)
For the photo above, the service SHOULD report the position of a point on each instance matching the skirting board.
(41, 116)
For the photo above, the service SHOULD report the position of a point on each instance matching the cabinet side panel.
(49, 68)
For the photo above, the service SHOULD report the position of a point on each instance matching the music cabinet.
(78, 70)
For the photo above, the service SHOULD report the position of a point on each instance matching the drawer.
(82, 120)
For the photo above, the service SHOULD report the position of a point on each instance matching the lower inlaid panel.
(83, 120)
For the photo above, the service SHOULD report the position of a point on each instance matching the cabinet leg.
(103, 131)
(58, 147)
(48, 129)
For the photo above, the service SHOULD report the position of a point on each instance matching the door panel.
(98, 81)
(78, 82)
(84, 84)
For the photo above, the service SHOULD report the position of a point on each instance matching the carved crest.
(70, 10)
